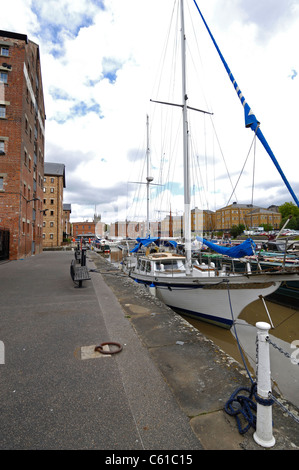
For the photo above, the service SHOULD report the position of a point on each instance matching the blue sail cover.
(147, 241)
(245, 249)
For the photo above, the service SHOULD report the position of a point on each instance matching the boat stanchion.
(263, 435)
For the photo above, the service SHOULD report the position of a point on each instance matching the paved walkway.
(165, 390)
(51, 398)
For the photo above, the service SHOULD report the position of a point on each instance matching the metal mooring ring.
(101, 350)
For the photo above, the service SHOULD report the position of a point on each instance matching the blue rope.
(242, 406)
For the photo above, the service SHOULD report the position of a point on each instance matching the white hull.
(217, 299)
(218, 304)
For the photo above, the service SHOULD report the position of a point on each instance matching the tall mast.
(149, 179)
(187, 208)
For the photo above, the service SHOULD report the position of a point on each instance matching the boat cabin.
(160, 263)
(171, 264)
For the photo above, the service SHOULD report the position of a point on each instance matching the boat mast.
(149, 179)
(187, 207)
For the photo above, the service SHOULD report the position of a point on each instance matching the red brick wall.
(22, 177)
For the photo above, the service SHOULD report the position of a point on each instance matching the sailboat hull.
(210, 303)
(214, 300)
(205, 293)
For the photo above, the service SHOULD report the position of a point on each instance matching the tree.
(267, 227)
(289, 209)
(237, 230)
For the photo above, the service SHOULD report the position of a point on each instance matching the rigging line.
(197, 170)
(137, 193)
(253, 169)
(194, 62)
(169, 175)
(220, 148)
(253, 140)
(163, 55)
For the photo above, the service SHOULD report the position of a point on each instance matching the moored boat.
(202, 290)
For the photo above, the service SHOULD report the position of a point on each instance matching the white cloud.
(100, 66)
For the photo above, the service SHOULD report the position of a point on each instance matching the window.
(51, 224)
(52, 201)
(2, 151)
(51, 190)
(1, 183)
(52, 180)
(3, 77)
(5, 51)
(2, 111)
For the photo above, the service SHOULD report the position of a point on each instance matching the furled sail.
(250, 119)
(244, 249)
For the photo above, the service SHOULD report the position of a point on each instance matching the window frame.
(2, 75)
(4, 51)
(3, 107)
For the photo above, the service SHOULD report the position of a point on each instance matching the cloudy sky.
(104, 60)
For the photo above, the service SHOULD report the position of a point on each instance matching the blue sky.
(101, 63)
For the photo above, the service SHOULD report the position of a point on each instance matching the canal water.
(284, 335)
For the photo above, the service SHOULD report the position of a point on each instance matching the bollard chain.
(271, 396)
(285, 409)
(275, 346)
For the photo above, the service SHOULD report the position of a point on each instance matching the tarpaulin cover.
(244, 249)
(157, 241)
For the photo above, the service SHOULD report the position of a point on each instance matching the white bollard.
(263, 434)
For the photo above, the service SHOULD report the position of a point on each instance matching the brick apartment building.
(22, 139)
(84, 229)
(53, 223)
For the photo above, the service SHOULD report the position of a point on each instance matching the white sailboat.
(200, 290)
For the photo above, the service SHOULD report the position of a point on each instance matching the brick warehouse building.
(53, 223)
(22, 139)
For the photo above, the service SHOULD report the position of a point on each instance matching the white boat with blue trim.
(205, 293)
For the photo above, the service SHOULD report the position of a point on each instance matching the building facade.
(259, 217)
(22, 140)
(202, 221)
(67, 226)
(84, 229)
(53, 223)
(246, 214)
